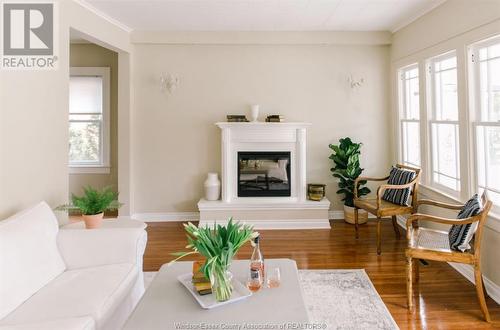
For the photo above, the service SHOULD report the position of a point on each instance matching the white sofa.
(53, 278)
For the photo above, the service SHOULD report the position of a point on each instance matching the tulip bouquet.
(218, 245)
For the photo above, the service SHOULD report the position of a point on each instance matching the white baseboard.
(195, 216)
(467, 271)
(339, 214)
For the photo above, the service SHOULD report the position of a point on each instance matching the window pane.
(410, 93)
(85, 94)
(84, 142)
(412, 100)
(446, 64)
(411, 73)
(446, 181)
(494, 197)
(488, 158)
(446, 95)
(490, 89)
(480, 156)
(445, 155)
(411, 143)
(489, 52)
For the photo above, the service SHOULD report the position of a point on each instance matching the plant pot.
(349, 215)
(93, 221)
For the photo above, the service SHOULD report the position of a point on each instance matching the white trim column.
(226, 164)
(302, 163)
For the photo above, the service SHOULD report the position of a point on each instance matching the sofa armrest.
(81, 248)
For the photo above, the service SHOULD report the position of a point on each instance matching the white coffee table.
(168, 305)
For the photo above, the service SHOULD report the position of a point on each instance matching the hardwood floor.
(444, 299)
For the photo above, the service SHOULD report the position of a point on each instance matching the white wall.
(176, 142)
(34, 118)
(452, 26)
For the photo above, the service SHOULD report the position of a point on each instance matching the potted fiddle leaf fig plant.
(92, 204)
(346, 168)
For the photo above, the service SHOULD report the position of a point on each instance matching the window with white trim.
(485, 58)
(409, 105)
(444, 123)
(89, 103)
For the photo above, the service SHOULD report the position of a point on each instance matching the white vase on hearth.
(212, 187)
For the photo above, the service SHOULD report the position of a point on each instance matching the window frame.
(402, 111)
(476, 121)
(432, 120)
(104, 166)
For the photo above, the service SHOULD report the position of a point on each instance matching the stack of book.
(236, 118)
(200, 282)
(275, 119)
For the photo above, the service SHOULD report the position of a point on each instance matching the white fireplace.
(267, 159)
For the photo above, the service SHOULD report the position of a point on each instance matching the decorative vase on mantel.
(212, 187)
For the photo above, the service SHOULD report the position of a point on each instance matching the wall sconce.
(169, 82)
(355, 83)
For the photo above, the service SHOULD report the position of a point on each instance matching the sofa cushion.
(29, 257)
(95, 292)
(74, 323)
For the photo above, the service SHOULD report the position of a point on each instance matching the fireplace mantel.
(263, 137)
(294, 211)
(265, 125)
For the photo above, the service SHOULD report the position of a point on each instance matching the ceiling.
(262, 15)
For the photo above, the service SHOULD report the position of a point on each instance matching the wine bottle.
(257, 260)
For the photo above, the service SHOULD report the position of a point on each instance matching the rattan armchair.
(430, 244)
(381, 208)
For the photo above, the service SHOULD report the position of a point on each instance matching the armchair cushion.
(399, 177)
(461, 235)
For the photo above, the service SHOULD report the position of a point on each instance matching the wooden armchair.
(381, 208)
(429, 244)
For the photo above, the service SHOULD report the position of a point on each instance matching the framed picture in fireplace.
(264, 174)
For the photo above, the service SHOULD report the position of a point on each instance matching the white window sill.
(435, 193)
(89, 169)
(493, 222)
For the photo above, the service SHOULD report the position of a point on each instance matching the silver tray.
(208, 301)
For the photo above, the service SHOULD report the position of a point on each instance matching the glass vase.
(221, 282)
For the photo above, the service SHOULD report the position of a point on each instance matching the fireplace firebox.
(264, 174)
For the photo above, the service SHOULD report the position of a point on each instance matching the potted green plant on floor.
(92, 204)
(346, 168)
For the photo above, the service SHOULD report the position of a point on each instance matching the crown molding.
(262, 37)
(102, 15)
(405, 22)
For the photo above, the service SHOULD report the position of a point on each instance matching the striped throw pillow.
(461, 235)
(398, 177)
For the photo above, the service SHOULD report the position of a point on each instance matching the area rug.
(341, 299)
